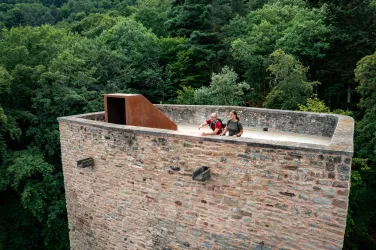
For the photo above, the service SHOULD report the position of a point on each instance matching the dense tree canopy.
(288, 25)
(289, 83)
(223, 90)
(58, 58)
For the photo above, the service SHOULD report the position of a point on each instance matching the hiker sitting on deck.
(234, 127)
(214, 123)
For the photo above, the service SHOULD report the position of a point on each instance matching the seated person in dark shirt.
(234, 127)
(214, 123)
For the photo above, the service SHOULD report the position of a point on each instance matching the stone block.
(340, 203)
(321, 200)
(340, 184)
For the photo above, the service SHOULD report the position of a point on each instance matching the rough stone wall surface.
(283, 120)
(257, 197)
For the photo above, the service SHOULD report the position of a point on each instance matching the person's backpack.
(218, 120)
(223, 124)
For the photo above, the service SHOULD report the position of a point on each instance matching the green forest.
(58, 58)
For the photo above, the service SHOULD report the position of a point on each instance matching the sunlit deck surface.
(256, 133)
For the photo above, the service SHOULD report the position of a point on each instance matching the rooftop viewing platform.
(328, 132)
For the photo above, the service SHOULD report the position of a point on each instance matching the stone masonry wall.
(282, 120)
(257, 197)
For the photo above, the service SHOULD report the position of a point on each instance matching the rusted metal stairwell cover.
(139, 111)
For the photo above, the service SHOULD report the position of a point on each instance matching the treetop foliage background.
(58, 58)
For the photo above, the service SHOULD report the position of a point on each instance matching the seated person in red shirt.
(214, 123)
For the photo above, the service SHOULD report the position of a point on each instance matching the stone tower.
(131, 187)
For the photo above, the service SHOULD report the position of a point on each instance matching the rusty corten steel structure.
(135, 110)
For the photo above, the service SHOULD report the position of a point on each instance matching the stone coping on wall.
(341, 141)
